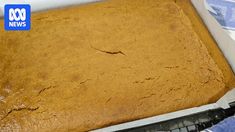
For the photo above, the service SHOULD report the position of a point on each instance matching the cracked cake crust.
(105, 63)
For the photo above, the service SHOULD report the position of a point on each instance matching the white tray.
(39, 5)
(224, 38)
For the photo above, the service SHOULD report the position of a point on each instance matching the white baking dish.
(225, 38)
(39, 5)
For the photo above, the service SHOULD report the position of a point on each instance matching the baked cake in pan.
(86, 67)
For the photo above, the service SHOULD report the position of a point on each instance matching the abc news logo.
(17, 20)
(17, 17)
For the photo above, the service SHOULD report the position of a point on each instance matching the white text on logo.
(13, 17)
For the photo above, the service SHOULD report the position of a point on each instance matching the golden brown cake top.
(90, 66)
